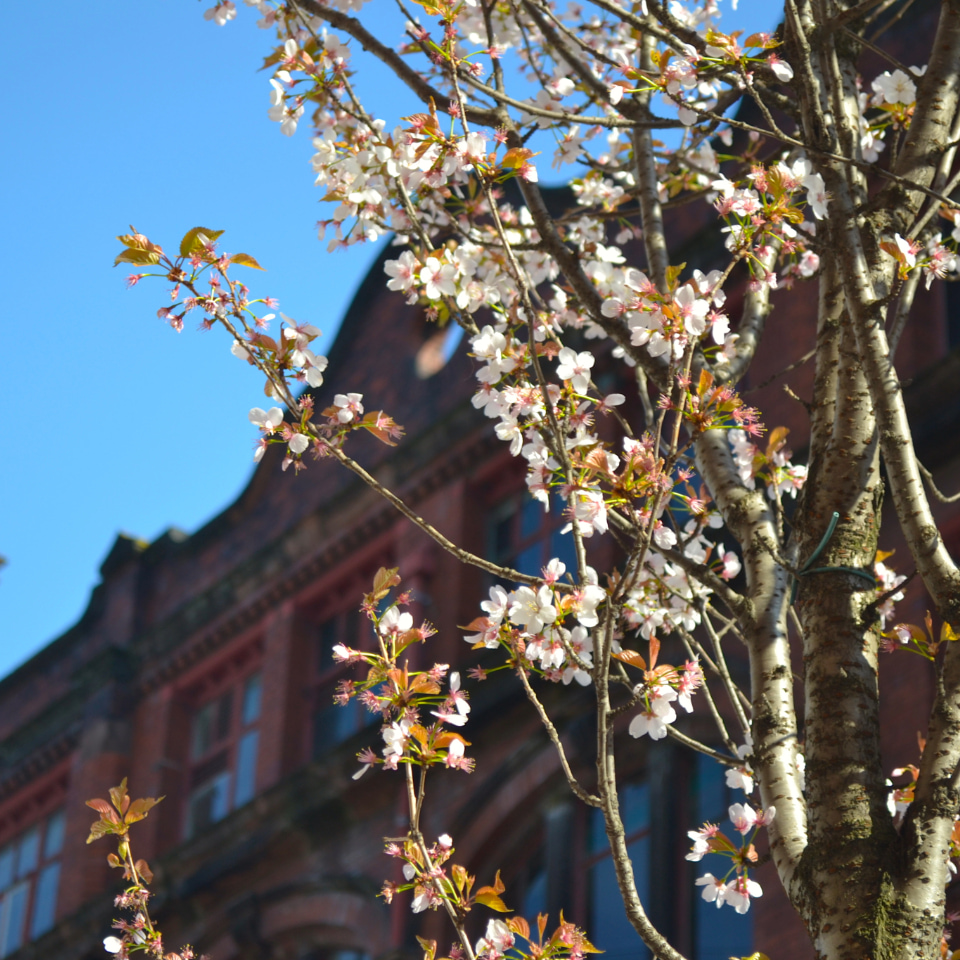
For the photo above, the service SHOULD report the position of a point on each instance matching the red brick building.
(201, 670)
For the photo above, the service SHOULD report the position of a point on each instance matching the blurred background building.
(202, 670)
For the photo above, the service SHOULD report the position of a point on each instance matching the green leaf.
(491, 900)
(118, 795)
(429, 948)
(100, 829)
(140, 257)
(245, 260)
(140, 808)
(191, 242)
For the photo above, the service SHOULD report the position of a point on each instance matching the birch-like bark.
(750, 518)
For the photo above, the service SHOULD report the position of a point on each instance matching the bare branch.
(928, 476)
(574, 784)
(392, 59)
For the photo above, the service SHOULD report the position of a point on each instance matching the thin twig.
(928, 478)
(587, 797)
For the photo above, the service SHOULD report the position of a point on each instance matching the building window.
(522, 535)
(718, 934)
(224, 743)
(608, 926)
(564, 862)
(332, 723)
(29, 876)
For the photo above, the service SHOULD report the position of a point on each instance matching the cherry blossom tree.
(815, 174)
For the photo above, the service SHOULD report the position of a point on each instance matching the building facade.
(202, 671)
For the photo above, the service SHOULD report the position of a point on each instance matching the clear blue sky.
(139, 113)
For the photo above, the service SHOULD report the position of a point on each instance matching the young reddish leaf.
(137, 241)
(706, 381)
(384, 428)
(447, 737)
(718, 843)
(654, 651)
(519, 926)
(245, 260)
(596, 459)
(429, 948)
(632, 658)
(262, 340)
(384, 579)
(144, 870)
(915, 632)
(422, 121)
(419, 733)
(424, 683)
(104, 809)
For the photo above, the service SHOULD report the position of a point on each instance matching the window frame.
(337, 625)
(518, 509)
(217, 767)
(46, 861)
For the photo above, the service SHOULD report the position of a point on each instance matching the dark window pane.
(202, 737)
(535, 896)
(562, 547)
(29, 853)
(12, 915)
(356, 629)
(53, 839)
(7, 859)
(609, 928)
(532, 516)
(635, 807)
(531, 560)
(503, 535)
(246, 768)
(333, 724)
(208, 804)
(718, 933)
(224, 715)
(45, 899)
(327, 640)
(209, 768)
(252, 691)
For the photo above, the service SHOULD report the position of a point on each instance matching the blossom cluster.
(772, 465)
(404, 699)
(735, 888)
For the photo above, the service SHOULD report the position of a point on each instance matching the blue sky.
(145, 114)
